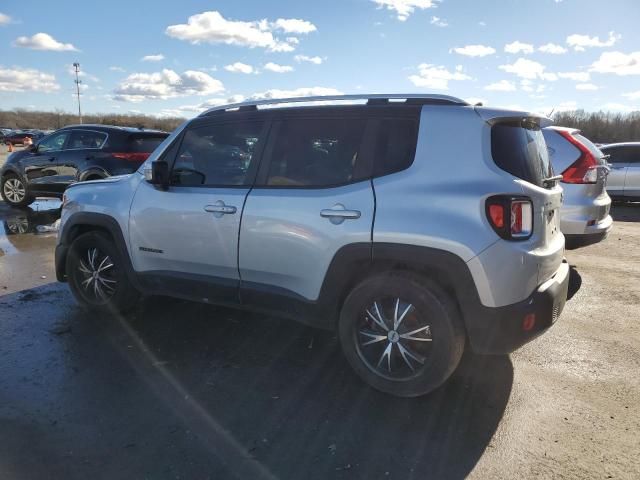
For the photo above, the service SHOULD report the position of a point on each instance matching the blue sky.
(176, 58)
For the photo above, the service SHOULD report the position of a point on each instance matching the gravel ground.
(181, 390)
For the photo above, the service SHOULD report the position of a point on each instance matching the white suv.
(410, 223)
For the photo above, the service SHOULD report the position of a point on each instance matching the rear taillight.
(510, 217)
(132, 157)
(585, 168)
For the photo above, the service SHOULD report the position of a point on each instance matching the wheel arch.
(354, 263)
(83, 222)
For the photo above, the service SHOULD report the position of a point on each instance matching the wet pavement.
(182, 390)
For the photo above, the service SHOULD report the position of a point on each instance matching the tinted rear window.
(519, 148)
(144, 143)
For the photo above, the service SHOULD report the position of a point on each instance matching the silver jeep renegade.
(413, 225)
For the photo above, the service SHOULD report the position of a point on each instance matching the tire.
(14, 192)
(417, 355)
(111, 291)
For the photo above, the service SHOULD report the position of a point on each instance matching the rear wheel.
(401, 334)
(15, 192)
(96, 274)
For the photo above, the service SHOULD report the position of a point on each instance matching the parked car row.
(345, 217)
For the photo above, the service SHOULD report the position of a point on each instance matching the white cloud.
(292, 40)
(294, 25)
(438, 22)
(297, 92)
(501, 86)
(528, 69)
(586, 86)
(212, 27)
(582, 42)
(17, 79)
(404, 8)
(576, 76)
(166, 84)
(43, 41)
(475, 50)
(115, 68)
(619, 107)
(304, 58)
(482, 24)
(274, 67)
(517, 47)
(552, 48)
(437, 77)
(5, 19)
(153, 58)
(632, 95)
(239, 67)
(618, 63)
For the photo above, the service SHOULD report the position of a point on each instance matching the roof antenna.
(551, 112)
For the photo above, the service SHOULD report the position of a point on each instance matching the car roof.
(621, 144)
(557, 128)
(111, 128)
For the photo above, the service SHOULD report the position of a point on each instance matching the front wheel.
(401, 333)
(96, 274)
(15, 192)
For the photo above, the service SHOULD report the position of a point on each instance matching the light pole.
(76, 65)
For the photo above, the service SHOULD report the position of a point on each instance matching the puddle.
(20, 228)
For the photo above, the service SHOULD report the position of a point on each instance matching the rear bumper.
(501, 330)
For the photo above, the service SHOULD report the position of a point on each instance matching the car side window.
(81, 139)
(53, 142)
(319, 152)
(618, 155)
(395, 145)
(633, 155)
(217, 155)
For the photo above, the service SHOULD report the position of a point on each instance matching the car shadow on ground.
(625, 212)
(260, 397)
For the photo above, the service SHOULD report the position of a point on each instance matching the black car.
(74, 154)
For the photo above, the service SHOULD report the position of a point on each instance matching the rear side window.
(395, 145)
(81, 139)
(144, 143)
(316, 152)
(519, 149)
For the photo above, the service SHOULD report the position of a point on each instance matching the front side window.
(316, 152)
(86, 139)
(217, 155)
(53, 142)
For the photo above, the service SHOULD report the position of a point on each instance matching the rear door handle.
(617, 168)
(220, 207)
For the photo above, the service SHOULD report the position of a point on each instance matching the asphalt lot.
(181, 390)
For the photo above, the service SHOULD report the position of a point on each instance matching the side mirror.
(159, 174)
(33, 148)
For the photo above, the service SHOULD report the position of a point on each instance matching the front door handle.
(52, 159)
(338, 213)
(220, 208)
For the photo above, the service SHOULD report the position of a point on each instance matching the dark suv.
(74, 154)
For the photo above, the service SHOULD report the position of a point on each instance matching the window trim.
(365, 146)
(253, 168)
(73, 130)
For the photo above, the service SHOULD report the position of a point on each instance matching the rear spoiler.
(497, 115)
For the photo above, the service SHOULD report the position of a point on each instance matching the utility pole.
(76, 65)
